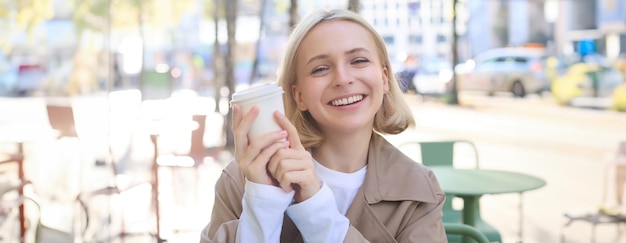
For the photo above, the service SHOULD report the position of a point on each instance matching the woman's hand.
(292, 166)
(253, 155)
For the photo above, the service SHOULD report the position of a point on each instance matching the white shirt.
(344, 185)
(317, 218)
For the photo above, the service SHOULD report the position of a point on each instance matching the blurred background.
(538, 85)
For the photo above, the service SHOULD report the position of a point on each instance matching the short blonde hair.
(393, 117)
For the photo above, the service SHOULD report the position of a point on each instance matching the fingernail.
(283, 132)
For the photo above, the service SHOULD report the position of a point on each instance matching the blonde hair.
(393, 117)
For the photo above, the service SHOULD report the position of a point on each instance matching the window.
(415, 39)
(389, 39)
(520, 60)
(414, 7)
(441, 38)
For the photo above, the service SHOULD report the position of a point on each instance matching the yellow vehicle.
(588, 80)
(619, 97)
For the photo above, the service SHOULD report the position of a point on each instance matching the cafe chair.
(14, 216)
(108, 128)
(454, 230)
(456, 153)
(611, 210)
(24, 124)
(200, 150)
(61, 118)
(190, 149)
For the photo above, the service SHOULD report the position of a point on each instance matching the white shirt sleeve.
(318, 219)
(263, 212)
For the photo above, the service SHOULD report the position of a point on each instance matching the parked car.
(433, 77)
(21, 75)
(405, 78)
(620, 63)
(619, 97)
(30, 76)
(8, 76)
(519, 71)
(586, 80)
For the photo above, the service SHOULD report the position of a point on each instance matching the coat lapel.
(391, 176)
(363, 218)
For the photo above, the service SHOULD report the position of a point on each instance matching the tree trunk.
(255, 64)
(293, 15)
(454, 93)
(140, 81)
(354, 5)
(218, 82)
(229, 62)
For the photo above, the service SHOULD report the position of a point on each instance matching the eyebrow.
(324, 56)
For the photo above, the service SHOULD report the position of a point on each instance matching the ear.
(297, 97)
(385, 80)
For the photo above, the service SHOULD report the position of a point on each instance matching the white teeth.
(347, 101)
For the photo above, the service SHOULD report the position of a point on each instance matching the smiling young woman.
(328, 176)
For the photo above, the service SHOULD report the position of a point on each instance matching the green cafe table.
(471, 184)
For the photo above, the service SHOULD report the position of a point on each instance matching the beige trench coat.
(399, 201)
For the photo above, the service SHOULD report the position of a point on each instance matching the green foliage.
(95, 14)
(90, 14)
(27, 13)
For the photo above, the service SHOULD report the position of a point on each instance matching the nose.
(343, 76)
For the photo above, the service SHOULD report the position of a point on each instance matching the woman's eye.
(318, 70)
(361, 60)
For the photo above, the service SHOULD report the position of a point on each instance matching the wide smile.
(347, 100)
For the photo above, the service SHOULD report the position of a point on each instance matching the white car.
(8, 76)
(516, 70)
(433, 77)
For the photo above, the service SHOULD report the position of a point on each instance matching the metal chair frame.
(602, 216)
(441, 153)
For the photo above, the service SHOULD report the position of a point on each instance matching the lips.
(347, 100)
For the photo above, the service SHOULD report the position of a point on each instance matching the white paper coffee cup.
(269, 98)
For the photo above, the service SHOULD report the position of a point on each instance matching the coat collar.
(392, 176)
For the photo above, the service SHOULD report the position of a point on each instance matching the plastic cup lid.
(256, 92)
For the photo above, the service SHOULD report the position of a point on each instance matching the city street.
(567, 147)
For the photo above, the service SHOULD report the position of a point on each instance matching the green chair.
(458, 229)
(441, 153)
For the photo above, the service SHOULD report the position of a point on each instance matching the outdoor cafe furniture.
(164, 117)
(471, 184)
(611, 209)
(459, 153)
(464, 230)
(25, 121)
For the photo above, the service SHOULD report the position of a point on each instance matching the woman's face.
(340, 79)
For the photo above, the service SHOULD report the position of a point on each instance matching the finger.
(241, 127)
(246, 121)
(290, 159)
(304, 183)
(276, 159)
(257, 168)
(293, 136)
(252, 150)
(289, 166)
(300, 178)
(237, 116)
